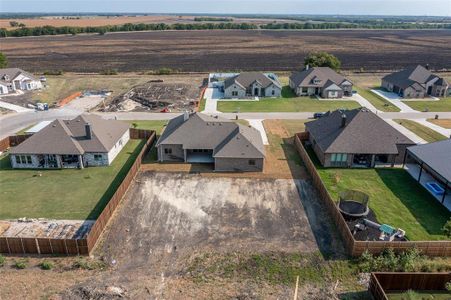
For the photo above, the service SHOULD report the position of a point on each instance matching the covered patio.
(430, 165)
(199, 156)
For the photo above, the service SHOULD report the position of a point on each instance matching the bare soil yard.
(228, 50)
(173, 225)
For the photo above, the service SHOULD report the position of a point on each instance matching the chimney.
(307, 67)
(343, 120)
(88, 131)
(185, 115)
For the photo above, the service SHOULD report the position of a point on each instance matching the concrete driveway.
(212, 95)
(394, 99)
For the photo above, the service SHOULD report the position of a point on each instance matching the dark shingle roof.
(364, 133)
(324, 74)
(225, 137)
(410, 76)
(436, 155)
(69, 137)
(247, 78)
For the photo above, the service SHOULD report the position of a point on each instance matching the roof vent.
(343, 120)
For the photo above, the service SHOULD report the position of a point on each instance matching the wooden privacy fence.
(13, 140)
(354, 247)
(18, 245)
(380, 283)
(109, 209)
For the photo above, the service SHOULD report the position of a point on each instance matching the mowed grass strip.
(395, 198)
(71, 194)
(378, 102)
(442, 105)
(422, 131)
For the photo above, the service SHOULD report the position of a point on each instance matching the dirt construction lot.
(170, 222)
(225, 50)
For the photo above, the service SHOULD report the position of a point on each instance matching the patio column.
(373, 160)
(184, 155)
(421, 171)
(404, 159)
(80, 161)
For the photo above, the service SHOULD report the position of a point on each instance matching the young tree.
(322, 59)
(3, 60)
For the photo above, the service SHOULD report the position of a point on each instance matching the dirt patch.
(169, 221)
(445, 123)
(257, 50)
(156, 96)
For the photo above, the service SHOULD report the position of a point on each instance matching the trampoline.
(353, 204)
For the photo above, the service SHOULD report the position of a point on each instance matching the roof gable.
(322, 74)
(363, 133)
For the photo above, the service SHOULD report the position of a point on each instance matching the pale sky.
(331, 7)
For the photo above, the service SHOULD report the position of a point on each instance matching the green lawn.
(62, 194)
(395, 198)
(423, 132)
(415, 295)
(444, 104)
(285, 104)
(378, 102)
(202, 104)
(156, 125)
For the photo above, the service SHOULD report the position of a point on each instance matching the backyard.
(394, 196)
(422, 131)
(74, 194)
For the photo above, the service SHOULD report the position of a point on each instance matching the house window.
(29, 160)
(97, 157)
(18, 159)
(251, 162)
(339, 157)
(273, 92)
(304, 90)
(167, 150)
(234, 93)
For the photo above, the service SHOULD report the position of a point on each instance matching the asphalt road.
(13, 122)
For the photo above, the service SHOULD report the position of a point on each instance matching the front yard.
(378, 102)
(443, 105)
(422, 131)
(71, 194)
(288, 102)
(395, 198)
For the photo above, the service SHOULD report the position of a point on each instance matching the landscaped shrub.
(408, 261)
(20, 264)
(88, 264)
(447, 228)
(46, 265)
(2, 260)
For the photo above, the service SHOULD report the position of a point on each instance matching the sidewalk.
(258, 124)
(439, 129)
(14, 107)
(396, 101)
(211, 100)
(365, 103)
(415, 138)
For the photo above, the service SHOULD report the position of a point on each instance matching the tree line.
(52, 30)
